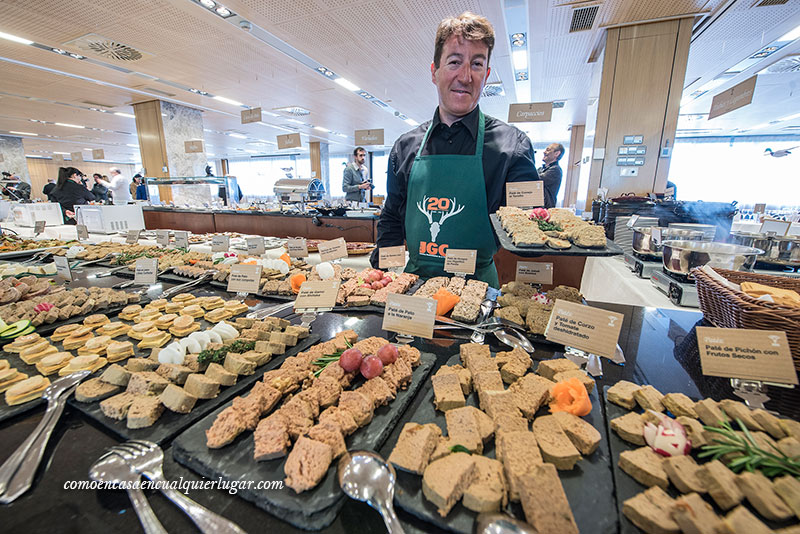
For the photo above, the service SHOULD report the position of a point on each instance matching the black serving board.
(170, 424)
(311, 510)
(611, 248)
(589, 486)
(6, 411)
(627, 487)
(127, 273)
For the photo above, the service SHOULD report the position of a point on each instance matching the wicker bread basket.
(725, 308)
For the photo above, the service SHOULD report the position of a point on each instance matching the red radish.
(367, 285)
(371, 366)
(668, 438)
(387, 354)
(386, 281)
(377, 285)
(350, 360)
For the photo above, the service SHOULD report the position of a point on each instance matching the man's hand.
(365, 185)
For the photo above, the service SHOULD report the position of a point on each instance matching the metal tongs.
(272, 310)
(194, 283)
(112, 271)
(16, 474)
(39, 256)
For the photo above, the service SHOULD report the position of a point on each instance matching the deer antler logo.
(436, 226)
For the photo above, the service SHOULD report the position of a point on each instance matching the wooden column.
(225, 169)
(644, 66)
(572, 167)
(316, 160)
(152, 143)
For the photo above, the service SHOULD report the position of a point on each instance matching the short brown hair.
(468, 25)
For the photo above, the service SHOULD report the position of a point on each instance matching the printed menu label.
(255, 245)
(38, 227)
(83, 232)
(413, 316)
(62, 268)
(591, 329)
(391, 257)
(297, 247)
(146, 271)
(333, 249)
(525, 194)
(655, 235)
(162, 237)
(632, 221)
(780, 228)
(748, 354)
(220, 243)
(317, 294)
(534, 272)
(244, 278)
(460, 261)
(98, 153)
(182, 240)
(132, 237)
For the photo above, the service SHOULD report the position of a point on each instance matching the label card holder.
(655, 235)
(593, 330)
(146, 271)
(317, 295)
(460, 261)
(762, 355)
(297, 247)
(780, 228)
(244, 278)
(133, 237)
(62, 268)
(408, 315)
(333, 249)
(389, 257)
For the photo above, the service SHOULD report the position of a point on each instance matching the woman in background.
(70, 191)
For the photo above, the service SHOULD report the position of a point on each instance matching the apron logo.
(447, 207)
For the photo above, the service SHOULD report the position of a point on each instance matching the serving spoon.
(365, 476)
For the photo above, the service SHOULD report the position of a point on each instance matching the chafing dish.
(680, 257)
(644, 245)
(778, 250)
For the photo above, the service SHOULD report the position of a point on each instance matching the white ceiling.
(383, 46)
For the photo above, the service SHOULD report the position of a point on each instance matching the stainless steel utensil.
(146, 458)
(644, 244)
(99, 260)
(486, 309)
(180, 288)
(512, 335)
(498, 523)
(272, 310)
(451, 322)
(112, 468)
(680, 257)
(112, 271)
(16, 474)
(783, 251)
(365, 476)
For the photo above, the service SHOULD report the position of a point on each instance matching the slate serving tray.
(589, 486)
(627, 487)
(311, 510)
(170, 424)
(611, 248)
(6, 411)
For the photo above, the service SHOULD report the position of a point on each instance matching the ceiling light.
(69, 125)
(792, 35)
(520, 59)
(128, 115)
(14, 38)
(228, 100)
(341, 135)
(238, 136)
(788, 118)
(33, 156)
(62, 153)
(22, 133)
(76, 56)
(210, 4)
(350, 86)
(321, 129)
(411, 122)
(295, 121)
(518, 36)
(131, 145)
(223, 11)
(59, 51)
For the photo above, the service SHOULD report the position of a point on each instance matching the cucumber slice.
(15, 329)
(30, 330)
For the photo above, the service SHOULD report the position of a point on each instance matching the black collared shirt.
(551, 176)
(507, 157)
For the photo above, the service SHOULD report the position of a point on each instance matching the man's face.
(361, 156)
(551, 153)
(462, 73)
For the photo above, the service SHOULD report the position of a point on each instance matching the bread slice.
(462, 429)
(554, 444)
(651, 511)
(621, 394)
(444, 481)
(645, 466)
(694, 515)
(791, 427)
(682, 472)
(94, 390)
(584, 436)
(738, 410)
(414, 447)
(488, 493)
(788, 488)
(531, 392)
(649, 398)
(629, 427)
(769, 422)
(721, 484)
(759, 491)
(544, 502)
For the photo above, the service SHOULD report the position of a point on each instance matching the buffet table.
(262, 223)
(659, 345)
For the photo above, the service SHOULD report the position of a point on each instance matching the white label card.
(391, 257)
(133, 237)
(632, 221)
(333, 249)
(146, 271)
(182, 240)
(762, 355)
(769, 225)
(590, 329)
(83, 232)
(62, 268)
(534, 272)
(255, 245)
(220, 243)
(297, 247)
(244, 278)
(162, 237)
(525, 194)
(655, 235)
(413, 316)
(460, 261)
(318, 294)
(38, 227)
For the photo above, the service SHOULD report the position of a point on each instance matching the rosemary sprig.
(460, 448)
(747, 453)
(324, 361)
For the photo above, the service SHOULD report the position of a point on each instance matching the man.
(99, 190)
(550, 173)
(118, 187)
(18, 189)
(356, 177)
(47, 190)
(446, 176)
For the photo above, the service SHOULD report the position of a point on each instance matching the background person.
(47, 190)
(99, 190)
(118, 187)
(69, 192)
(355, 181)
(550, 173)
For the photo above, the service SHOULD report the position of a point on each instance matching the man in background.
(356, 182)
(19, 189)
(118, 187)
(99, 190)
(47, 190)
(550, 173)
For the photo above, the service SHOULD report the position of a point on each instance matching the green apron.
(446, 208)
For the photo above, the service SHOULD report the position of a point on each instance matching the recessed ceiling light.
(121, 114)
(228, 100)
(210, 4)
(347, 84)
(321, 129)
(14, 38)
(238, 136)
(59, 51)
(22, 133)
(76, 56)
(69, 125)
(223, 11)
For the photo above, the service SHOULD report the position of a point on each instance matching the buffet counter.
(275, 224)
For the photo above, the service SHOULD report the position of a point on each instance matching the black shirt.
(507, 157)
(100, 192)
(551, 176)
(48, 190)
(71, 194)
